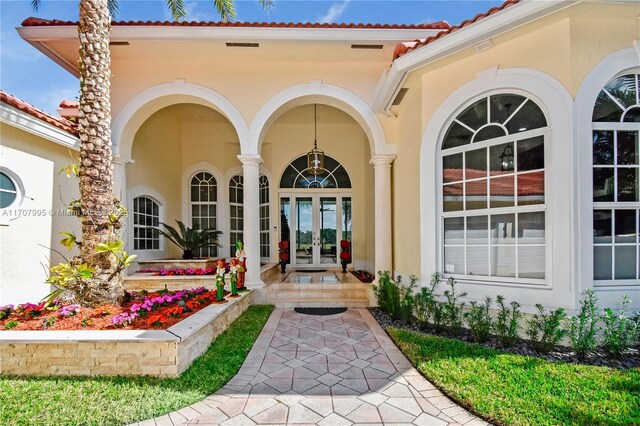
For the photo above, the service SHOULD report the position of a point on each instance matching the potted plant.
(345, 254)
(189, 239)
(283, 255)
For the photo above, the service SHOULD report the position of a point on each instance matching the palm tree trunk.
(96, 185)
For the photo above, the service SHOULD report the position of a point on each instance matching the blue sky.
(29, 75)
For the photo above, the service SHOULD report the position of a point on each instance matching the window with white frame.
(236, 212)
(493, 190)
(204, 207)
(8, 191)
(146, 216)
(616, 187)
(265, 240)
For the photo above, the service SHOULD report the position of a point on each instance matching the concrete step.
(287, 295)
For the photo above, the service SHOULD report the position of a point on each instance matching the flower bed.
(158, 310)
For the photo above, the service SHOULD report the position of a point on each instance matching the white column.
(251, 231)
(383, 240)
(120, 178)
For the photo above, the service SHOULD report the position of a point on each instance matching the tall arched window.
(265, 240)
(204, 207)
(146, 214)
(493, 174)
(616, 187)
(236, 212)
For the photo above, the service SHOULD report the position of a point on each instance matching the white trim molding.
(626, 60)
(556, 102)
(146, 103)
(327, 94)
(21, 120)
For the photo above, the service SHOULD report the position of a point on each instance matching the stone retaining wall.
(160, 353)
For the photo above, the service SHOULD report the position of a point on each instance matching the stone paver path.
(325, 370)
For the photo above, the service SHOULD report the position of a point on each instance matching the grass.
(122, 400)
(520, 390)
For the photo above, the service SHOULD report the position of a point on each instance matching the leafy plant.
(479, 320)
(11, 324)
(49, 322)
(189, 239)
(426, 304)
(86, 322)
(620, 332)
(393, 298)
(507, 322)
(545, 329)
(452, 309)
(5, 311)
(583, 328)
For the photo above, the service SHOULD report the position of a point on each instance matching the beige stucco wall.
(565, 46)
(26, 242)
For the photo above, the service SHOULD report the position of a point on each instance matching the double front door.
(314, 224)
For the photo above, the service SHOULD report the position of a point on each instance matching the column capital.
(250, 160)
(382, 160)
(121, 160)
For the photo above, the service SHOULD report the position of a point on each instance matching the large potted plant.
(190, 239)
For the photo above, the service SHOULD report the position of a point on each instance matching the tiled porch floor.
(326, 370)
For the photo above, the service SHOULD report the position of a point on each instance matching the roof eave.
(20, 119)
(487, 28)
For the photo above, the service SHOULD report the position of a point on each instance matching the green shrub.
(393, 298)
(545, 329)
(452, 310)
(620, 332)
(583, 328)
(425, 303)
(507, 322)
(479, 320)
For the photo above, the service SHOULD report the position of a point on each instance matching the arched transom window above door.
(493, 190)
(298, 175)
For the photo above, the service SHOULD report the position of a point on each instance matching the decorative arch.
(556, 103)
(148, 102)
(617, 63)
(317, 92)
(298, 175)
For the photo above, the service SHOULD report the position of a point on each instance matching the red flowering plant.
(345, 254)
(156, 320)
(283, 254)
(30, 310)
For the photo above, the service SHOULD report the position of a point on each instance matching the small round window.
(8, 191)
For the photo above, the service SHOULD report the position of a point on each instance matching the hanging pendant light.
(315, 157)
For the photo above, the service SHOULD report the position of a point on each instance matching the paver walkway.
(326, 370)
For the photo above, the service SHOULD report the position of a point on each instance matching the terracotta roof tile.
(60, 123)
(404, 48)
(440, 25)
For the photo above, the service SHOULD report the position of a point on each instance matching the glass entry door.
(314, 221)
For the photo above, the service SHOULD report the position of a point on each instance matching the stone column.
(251, 231)
(383, 241)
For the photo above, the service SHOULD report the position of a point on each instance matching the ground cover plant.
(123, 400)
(141, 310)
(512, 389)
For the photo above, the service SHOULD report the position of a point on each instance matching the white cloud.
(335, 11)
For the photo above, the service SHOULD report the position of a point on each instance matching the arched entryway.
(315, 212)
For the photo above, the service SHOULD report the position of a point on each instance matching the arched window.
(146, 214)
(616, 187)
(236, 212)
(298, 175)
(265, 240)
(8, 191)
(493, 174)
(204, 207)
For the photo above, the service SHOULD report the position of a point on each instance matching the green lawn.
(120, 400)
(519, 390)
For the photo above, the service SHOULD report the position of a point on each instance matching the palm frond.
(267, 5)
(225, 9)
(35, 4)
(114, 8)
(177, 9)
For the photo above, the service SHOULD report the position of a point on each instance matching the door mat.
(320, 311)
